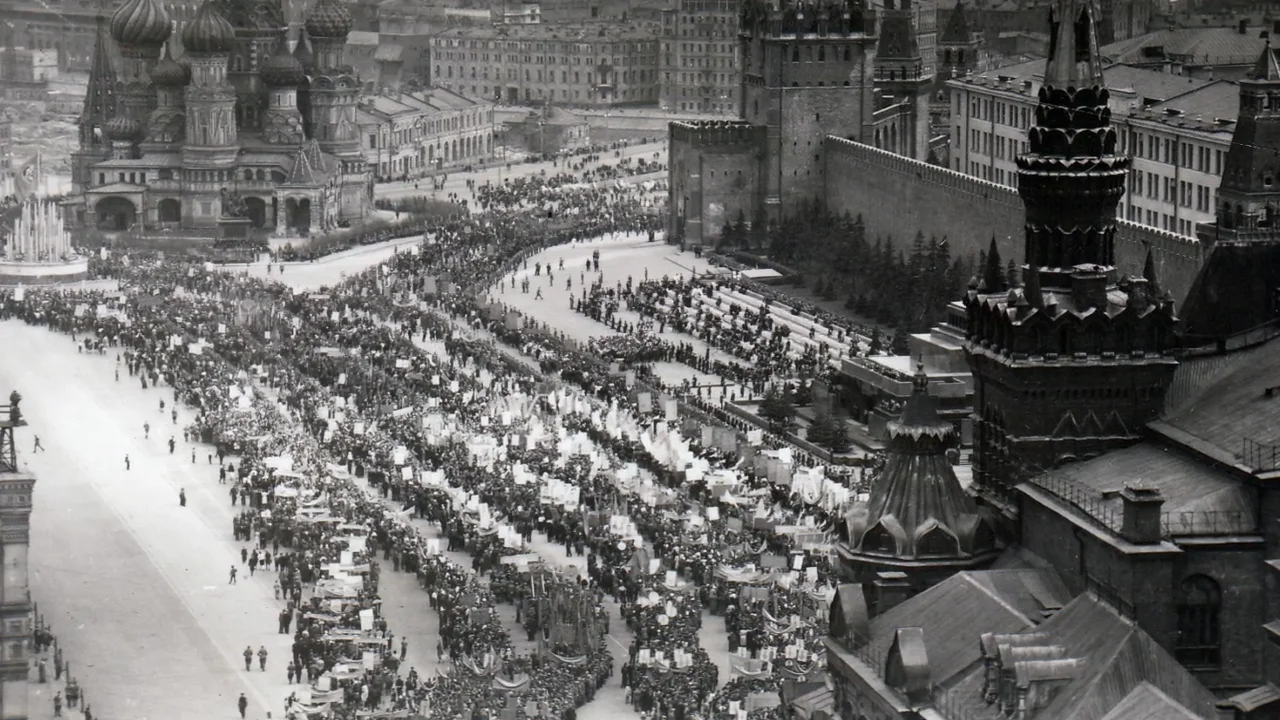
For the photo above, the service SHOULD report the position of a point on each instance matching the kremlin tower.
(1074, 360)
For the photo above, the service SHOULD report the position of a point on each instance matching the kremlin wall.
(897, 196)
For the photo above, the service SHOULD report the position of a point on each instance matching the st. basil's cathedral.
(239, 128)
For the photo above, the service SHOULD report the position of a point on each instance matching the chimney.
(892, 589)
(1275, 27)
(1089, 287)
(1141, 520)
(1244, 26)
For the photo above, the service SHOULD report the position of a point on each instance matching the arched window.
(937, 542)
(1199, 625)
(878, 539)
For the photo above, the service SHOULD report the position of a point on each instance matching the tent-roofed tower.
(1238, 287)
(917, 519)
(1076, 360)
(958, 46)
(99, 107)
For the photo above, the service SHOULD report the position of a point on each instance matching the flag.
(26, 181)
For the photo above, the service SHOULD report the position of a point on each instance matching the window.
(1199, 628)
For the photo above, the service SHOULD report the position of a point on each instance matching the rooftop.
(1224, 414)
(410, 103)
(1199, 499)
(1138, 92)
(1189, 46)
(574, 32)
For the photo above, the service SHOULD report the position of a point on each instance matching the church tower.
(209, 153)
(258, 26)
(282, 74)
(140, 29)
(957, 46)
(332, 98)
(900, 77)
(1076, 360)
(99, 107)
(808, 72)
(167, 125)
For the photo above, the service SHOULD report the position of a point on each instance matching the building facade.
(240, 129)
(1176, 129)
(413, 134)
(698, 57)
(586, 65)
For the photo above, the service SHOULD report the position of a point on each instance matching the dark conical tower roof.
(957, 31)
(100, 95)
(917, 500)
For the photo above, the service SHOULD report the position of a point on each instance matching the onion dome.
(169, 72)
(329, 19)
(283, 69)
(141, 23)
(121, 128)
(208, 31)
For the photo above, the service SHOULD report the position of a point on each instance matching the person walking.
(262, 658)
(127, 464)
(404, 643)
(57, 704)
(182, 497)
(233, 575)
(242, 704)
(38, 446)
(248, 657)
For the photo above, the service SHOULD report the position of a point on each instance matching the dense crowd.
(336, 410)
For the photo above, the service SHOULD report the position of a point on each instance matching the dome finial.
(920, 383)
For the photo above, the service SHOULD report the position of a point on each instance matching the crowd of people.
(338, 410)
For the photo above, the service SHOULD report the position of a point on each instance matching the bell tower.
(1073, 360)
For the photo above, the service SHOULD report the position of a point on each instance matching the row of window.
(615, 60)
(626, 94)
(559, 48)
(1167, 190)
(141, 177)
(703, 62)
(513, 75)
(1173, 152)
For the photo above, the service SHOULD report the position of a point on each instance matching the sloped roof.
(1146, 702)
(1119, 657)
(1200, 499)
(1195, 46)
(1235, 407)
(955, 612)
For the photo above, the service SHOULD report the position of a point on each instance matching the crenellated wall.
(714, 177)
(898, 196)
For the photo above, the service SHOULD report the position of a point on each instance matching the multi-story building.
(412, 134)
(576, 11)
(698, 57)
(1177, 130)
(587, 65)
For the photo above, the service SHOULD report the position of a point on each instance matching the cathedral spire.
(1074, 61)
(100, 96)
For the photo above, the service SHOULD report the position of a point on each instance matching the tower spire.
(100, 96)
(1074, 61)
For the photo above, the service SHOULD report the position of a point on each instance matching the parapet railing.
(1259, 455)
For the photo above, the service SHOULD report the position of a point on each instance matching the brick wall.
(714, 176)
(897, 196)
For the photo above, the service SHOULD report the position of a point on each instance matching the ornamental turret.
(1072, 359)
(331, 99)
(917, 518)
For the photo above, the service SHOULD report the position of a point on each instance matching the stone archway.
(256, 211)
(170, 211)
(115, 213)
(298, 214)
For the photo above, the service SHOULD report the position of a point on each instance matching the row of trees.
(901, 286)
(827, 431)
